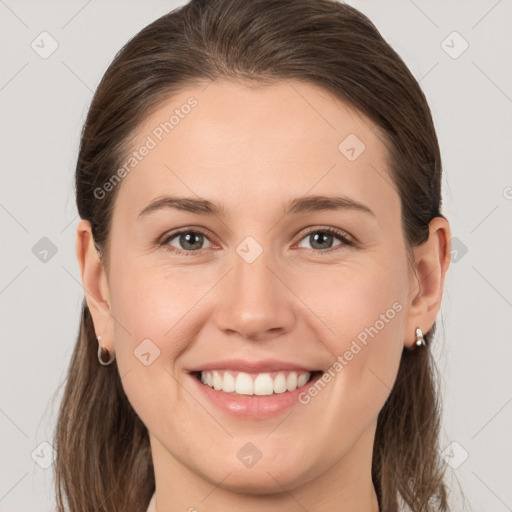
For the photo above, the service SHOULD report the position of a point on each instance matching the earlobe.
(94, 281)
(431, 262)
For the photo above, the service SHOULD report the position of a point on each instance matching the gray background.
(43, 103)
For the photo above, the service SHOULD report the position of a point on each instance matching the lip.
(244, 365)
(252, 406)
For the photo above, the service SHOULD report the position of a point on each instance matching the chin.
(263, 478)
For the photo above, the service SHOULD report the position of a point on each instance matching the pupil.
(186, 239)
(318, 237)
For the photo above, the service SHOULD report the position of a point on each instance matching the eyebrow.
(301, 205)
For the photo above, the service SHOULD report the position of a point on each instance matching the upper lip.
(252, 366)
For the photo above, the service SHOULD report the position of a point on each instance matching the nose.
(255, 301)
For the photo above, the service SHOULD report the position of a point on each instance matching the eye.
(188, 241)
(322, 239)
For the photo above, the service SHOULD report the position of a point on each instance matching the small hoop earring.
(104, 356)
(420, 340)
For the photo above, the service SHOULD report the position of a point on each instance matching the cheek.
(364, 314)
(156, 312)
(156, 302)
(365, 307)
(355, 300)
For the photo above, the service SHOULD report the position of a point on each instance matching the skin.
(253, 149)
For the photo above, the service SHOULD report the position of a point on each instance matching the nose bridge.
(254, 301)
(252, 279)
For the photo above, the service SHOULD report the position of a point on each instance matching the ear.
(95, 284)
(431, 261)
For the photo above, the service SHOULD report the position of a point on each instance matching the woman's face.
(302, 267)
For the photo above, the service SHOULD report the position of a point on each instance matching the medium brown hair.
(103, 458)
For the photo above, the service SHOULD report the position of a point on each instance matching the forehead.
(247, 144)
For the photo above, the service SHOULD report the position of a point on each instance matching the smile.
(260, 384)
(252, 389)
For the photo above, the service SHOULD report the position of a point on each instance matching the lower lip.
(253, 406)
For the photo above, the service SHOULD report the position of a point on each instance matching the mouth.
(238, 383)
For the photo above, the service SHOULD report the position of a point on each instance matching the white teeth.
(229, 383)
(291, 381)
(302, 379)
(261, 384)
(280, 383)
(243, 384)
(217, 380)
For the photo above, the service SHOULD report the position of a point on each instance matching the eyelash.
(332, 231)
